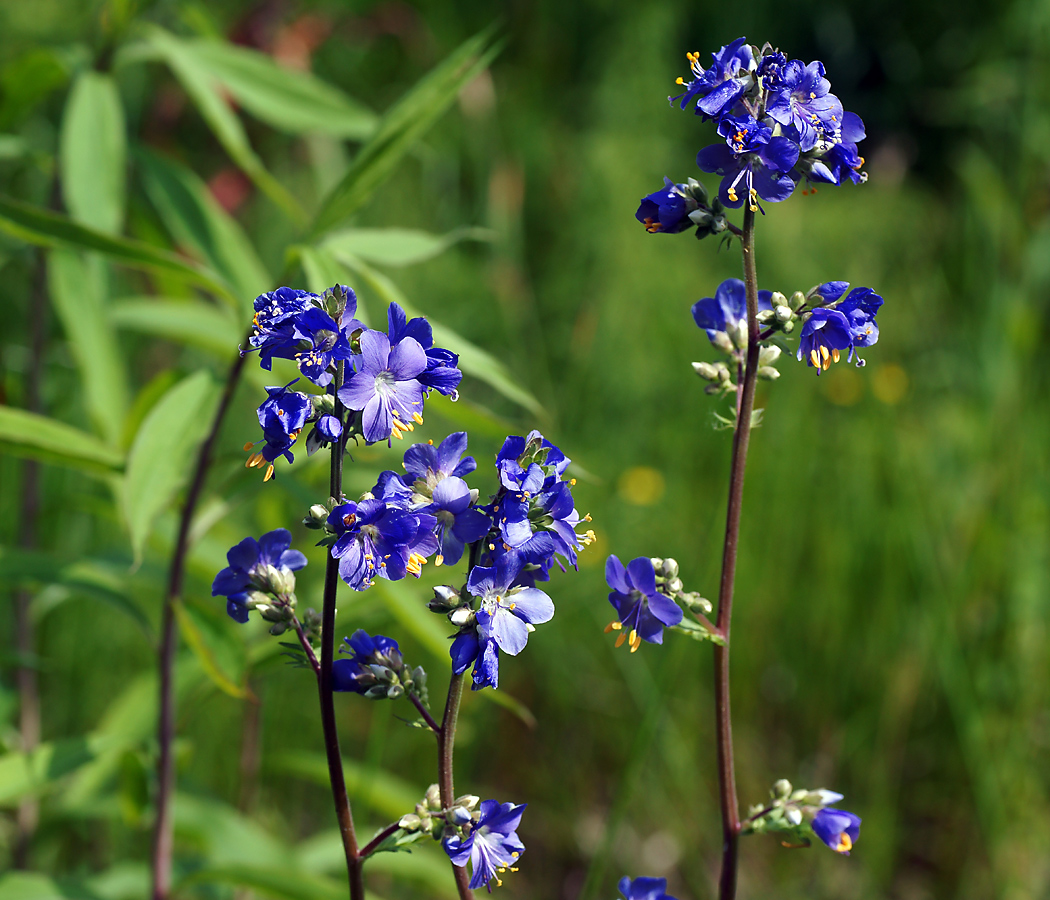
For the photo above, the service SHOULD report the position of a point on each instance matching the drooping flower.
(824, 336)
(644, 889)
(372, 661)
(492, 846)
(758, 169)
(800, 99)
(375, 539)
(265, 565)
(642, 610)
(459, 523)
(725, 312)
(837, 828)
(426, 466)
(282, 417)
(385, 385)
(848, 325)
(276, 314)
(719, 87)
(324, 344)
(666, 211)
(442, 373)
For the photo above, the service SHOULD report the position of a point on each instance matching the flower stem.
(446, 740)
(370, 847)
(163, 826)
(741, 435)
(425, 713)
(354, 859)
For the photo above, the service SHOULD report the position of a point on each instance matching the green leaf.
(401, 126)
(163, 452)
(399, 246)
(27, 80)
(225, 836)
(191, 322)
(280, 883)
(92, 152)
(27, 434)
(199, 84)
(287, 99)
(31, 774)
(12, 146)
(35, 225)
(34, 886)
(472, 359)
(78, 287)
(209, 664)
(202, 227)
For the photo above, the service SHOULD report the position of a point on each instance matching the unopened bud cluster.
(670, 585)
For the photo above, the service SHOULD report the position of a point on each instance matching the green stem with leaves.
(741, 435)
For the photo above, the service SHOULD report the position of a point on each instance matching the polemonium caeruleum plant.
(370, 386)
(780, 128)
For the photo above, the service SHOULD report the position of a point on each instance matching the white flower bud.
(462, 616)
(706, 371)
(783, 314)
(768, 356)
(794, 815)
(722, 342)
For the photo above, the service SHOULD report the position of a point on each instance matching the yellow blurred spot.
(845, 387)
(889, 383)
(641, 485)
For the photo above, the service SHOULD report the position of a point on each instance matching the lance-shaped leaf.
(399, 246)
(203, 228)
(191, 322)
(78, 286)
(200, 84)
(162, 453)
(472, 359)
(39, 226)
(402, 125)
(24, 433)
(92, 152)
(290, 100)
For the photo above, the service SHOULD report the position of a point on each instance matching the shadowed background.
(889, 640)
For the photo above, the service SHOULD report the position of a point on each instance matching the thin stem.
(163, 827)
(741, 435)
(343, 813)
(307, 646)
(425, 713)
(446, 741)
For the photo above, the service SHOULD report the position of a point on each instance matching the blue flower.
(758, 169)
(370, 656)
(837, 828)
(325, 344)
(374, 539)
(276, 314)
(721, 86)
(644, 889)
(441, 373)
(264, 565)
(800, 99)
(642, 610)
(848, 326)
(458, 521)
(667, 210)
(727, 309)
(282, 417)
(492, 845)
(385, 385)
(824, 336)
(426, 466)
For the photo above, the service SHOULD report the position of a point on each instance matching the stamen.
(845, 843)
(609, 627)
(679, 80)
(814, 358)
(835, 355)
(417, 418)
(249, 445)
(633, 637)
(824, 352)
(439, 560)
(731, 194)
(615, 626)
(620, 640)
(269, 473)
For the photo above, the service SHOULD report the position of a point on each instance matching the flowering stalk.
(354, 859)
(741, 437)
(163, 826)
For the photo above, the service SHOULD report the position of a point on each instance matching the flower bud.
(432, 798)
(767, 356)
(278, 629)
(409, 822)
(738, 334)
(788, 327)
(316, 516)
(794, 815)
(460, 816)
(768, 373)
(706, 371)
(822, 797)
(777, 299)
(783, 314)
(797, 300)
(469, 801)
(781, 789)
(446, 598)
(461, 617)
(722, 342)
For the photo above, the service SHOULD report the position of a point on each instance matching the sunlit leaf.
(399, 246)
(92, 152)
(401, 126)
(202, 227)
(31, 774)
(184, 321)
(195, 640)
(200, 84)
(35, 225)
(163, 452)
(279, 883)
(24, 433)
(472, 359)
(35, 886)
(287, 99)
(78, 286)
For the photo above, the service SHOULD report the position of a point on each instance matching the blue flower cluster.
(388, 373)
(263, 566)
(839, 325)
(492, 845)
(780, 125)
(643, 888)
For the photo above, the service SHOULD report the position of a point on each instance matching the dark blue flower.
(800, 99)
(458, 521)
(442, 373)
(370, 656)
(643, 611)
(426, 466)
(848, 326)
(385, 385)
(264, 565)
(276, 314)
(492, 845)
(325, 343)
(644, 889)
(727, 309)
(666, 211)
(282, 417)
(719, 87)
(374, 539)
(824, 336)
(837, 828)
(759, 172)
(507, 608)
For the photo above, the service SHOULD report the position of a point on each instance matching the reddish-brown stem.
(741, 435)
(425, 713)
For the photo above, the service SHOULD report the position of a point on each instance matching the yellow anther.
(620, 640)
(814, 358)
(249, 445)
(269, 473)
(610, 627)
(616, 626)
(572, 481)
(824, 352)
(845, 843)
(679, 80)
(397, 434)
(835, 355)
(812, 96)
(417, 418)
(515, 853)
(512, 606)
(439, 560)
(731, 194)
(633, 637)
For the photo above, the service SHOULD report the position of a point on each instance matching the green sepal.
(698, 632)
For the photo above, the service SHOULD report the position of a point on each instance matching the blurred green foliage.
(891, 638)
